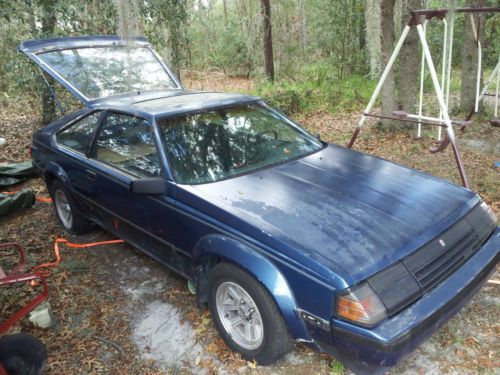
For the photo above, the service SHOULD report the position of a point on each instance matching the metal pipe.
(427, 118)
(443, 68)
(490, 80)
(450, 56)
(438, 120)
(387, 69)
(498, 83)
(410, 120)
(479, 61)
(479, 69)
(442, 12)
(445, 56)
(442, 104)
(422, 76)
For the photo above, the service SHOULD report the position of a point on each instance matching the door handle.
(91, 175)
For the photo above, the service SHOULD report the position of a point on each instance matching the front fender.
(262, 268)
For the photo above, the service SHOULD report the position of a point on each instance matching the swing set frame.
(419, 19)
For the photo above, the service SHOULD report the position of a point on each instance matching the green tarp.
(8, 181)
(13, 173)
(21, 200)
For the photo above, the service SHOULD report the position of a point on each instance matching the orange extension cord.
(43, 269)
(38, 199)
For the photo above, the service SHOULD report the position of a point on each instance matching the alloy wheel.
(63, 208)
(239, 315)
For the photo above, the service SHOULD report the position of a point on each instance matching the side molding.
(262, 269)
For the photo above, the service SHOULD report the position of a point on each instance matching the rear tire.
(246, 315)
(22, 354)
(67, 211)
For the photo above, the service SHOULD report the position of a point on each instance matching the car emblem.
(442, 243)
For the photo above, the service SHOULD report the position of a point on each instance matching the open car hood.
(96, 67)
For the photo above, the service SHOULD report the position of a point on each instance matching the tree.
(166, 22)
(409, 62)
(373, 33)
(48, 18)
(340, 27)
(470, 58)
(387, 25)
(268, 39)
(301, 21)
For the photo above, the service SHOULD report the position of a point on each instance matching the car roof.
(173, 103)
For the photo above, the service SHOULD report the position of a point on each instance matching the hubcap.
(239, 315)
(63, 208)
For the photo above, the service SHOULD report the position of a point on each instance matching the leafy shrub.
(231, 54)
(317, 88)
(288, 96)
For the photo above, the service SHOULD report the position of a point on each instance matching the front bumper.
(383, 346)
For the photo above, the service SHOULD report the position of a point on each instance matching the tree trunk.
(225, 11)
(470, 59)
(387, 25)
(268, 39)
(373, 36)
(301, 26)
(48, 28)
(361, 34)
(409, 62)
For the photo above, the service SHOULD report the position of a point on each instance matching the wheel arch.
(213, 249)
(55, 172)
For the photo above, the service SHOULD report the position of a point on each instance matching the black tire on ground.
(276, 341)
(79, 223)
(22, 354)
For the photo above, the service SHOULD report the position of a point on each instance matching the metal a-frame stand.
(446, 122)
(495, 74)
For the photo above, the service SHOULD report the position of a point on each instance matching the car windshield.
(98, 72)
(218, 144)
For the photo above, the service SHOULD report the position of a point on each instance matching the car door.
(124, 149)
(73, 142)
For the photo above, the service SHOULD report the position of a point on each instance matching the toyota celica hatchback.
(287, 238)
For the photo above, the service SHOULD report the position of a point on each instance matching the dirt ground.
(119, 312)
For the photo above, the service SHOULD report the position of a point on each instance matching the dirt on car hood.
(338, 208)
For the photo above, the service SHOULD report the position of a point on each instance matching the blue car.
(287, 238)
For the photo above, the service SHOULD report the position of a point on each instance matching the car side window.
(79, 135)
(126, 142)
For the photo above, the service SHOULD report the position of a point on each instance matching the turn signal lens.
(489, 211)
(361, 305)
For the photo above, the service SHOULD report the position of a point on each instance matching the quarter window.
(127, 143)
(78, 136)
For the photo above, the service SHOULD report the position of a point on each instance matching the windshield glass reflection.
(211, 146)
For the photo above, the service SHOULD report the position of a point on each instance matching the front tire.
(246, 315)
(66, 210)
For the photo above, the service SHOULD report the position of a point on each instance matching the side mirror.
(152, 186)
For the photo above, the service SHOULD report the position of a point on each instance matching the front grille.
(438, 259)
